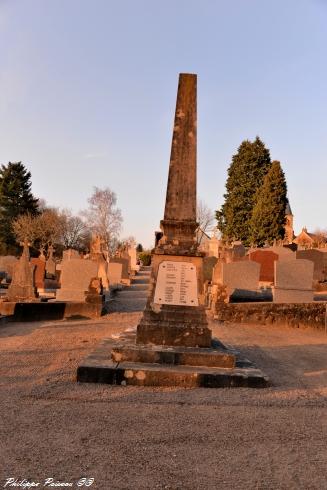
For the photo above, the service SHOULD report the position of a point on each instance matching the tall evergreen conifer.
(16, 198)
(245, 176)
(268, 217)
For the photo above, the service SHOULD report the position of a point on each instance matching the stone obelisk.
(179, 223)
(174, 314)
(173, 345)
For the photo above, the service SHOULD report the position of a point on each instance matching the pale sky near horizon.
(88, 90)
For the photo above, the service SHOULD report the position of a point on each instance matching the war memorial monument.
(173, 345)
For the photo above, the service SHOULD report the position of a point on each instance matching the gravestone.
(7, 264)
(266, 259)
(238, 249)
(125, 263)
(115, 273)
(208, 266)
(94, 293)
(22, 285)
(50, 265)
(318, 259)
(213, 247)
(217, 272)
(133, 258)
(293, 281)
(39, 272)
(284, 253)
(76, 275)
(97, 255)
(240, 278)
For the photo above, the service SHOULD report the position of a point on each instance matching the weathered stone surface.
(179, 355)
(76, 275)
(266, 259)
(270, 314)
(99, 368)
(293, 281)
(179, 223)
(187, 335)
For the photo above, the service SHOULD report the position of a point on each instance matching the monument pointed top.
(179, 221)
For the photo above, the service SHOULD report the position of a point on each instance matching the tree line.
(25, 217)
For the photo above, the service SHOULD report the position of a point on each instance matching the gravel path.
(143, 438)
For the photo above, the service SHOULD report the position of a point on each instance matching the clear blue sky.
(88, 89)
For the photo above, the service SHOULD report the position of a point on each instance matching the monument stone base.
(175, 326)
(123, 362)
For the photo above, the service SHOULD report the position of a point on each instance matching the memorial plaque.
(176, 284)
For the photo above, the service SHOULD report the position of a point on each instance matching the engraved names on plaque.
(176, 284)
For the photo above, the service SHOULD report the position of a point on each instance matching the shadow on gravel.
(301, 366)
(13, 329)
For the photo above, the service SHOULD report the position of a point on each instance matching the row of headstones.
(74, 274)
(291, 274)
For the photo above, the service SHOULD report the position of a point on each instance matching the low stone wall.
(291, 314)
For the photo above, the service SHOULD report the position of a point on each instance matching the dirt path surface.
(143, 438)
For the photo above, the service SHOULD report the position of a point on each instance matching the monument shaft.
(181, 188)
(179, 223)
(173, 314)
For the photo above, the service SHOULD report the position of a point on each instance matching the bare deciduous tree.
(205, 217)
(24, 228)
(73, 230)
(320, 237)
(104, 218)
(42, 229)
(47, 227)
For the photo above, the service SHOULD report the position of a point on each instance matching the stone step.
(132, 297)
(138, 374)
(211, 357)
(99, 367)
(138, 287)
(135, 294)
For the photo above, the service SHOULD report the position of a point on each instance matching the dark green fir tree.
(268, 217)
(16, 198)
(245, 176)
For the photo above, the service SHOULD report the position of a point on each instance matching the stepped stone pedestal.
(173, 344)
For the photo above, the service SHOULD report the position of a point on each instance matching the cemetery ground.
(166, 438)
